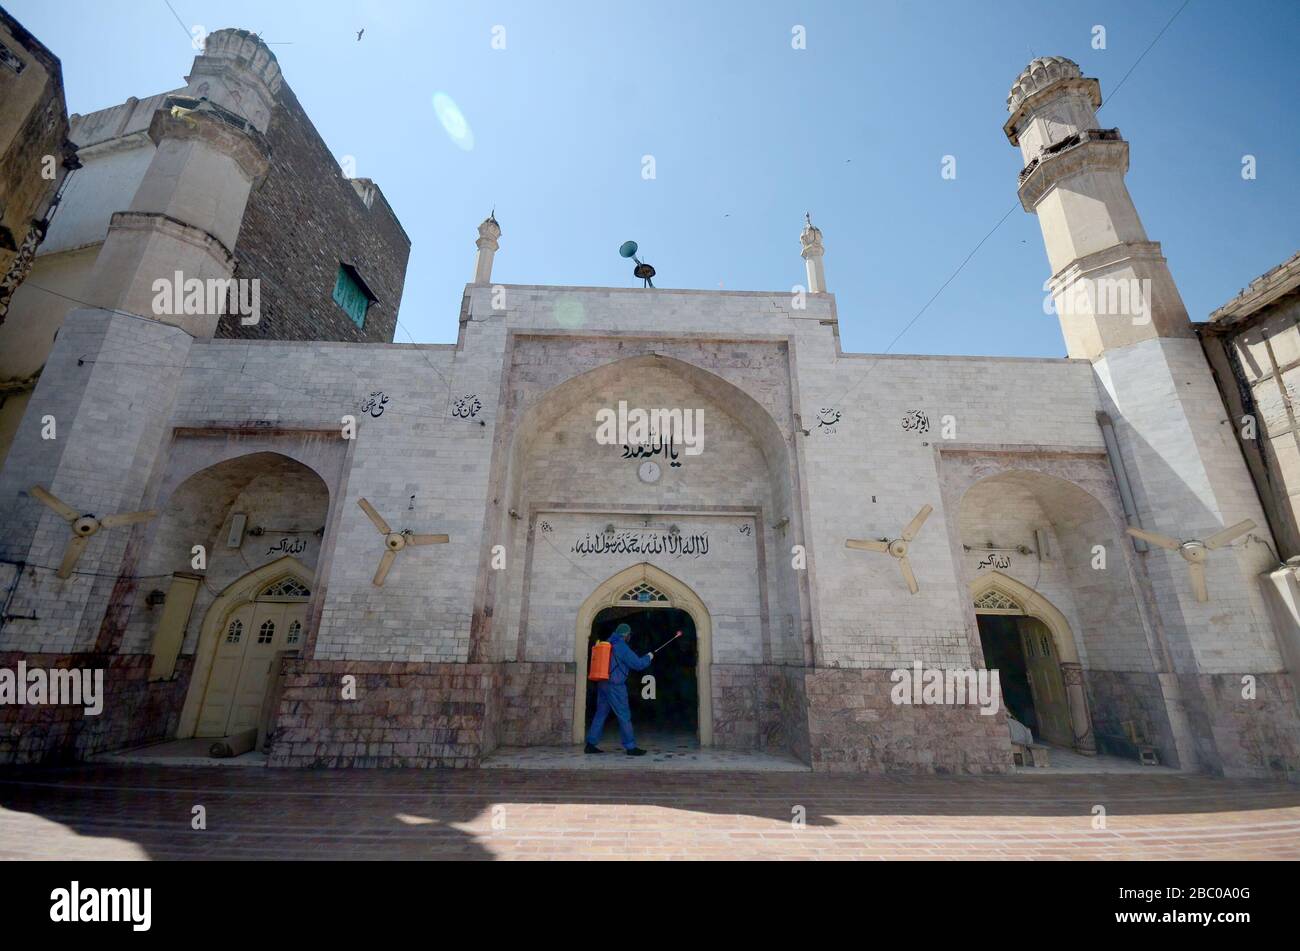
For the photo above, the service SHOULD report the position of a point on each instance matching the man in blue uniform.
(612, 694)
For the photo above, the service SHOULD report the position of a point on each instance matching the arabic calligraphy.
(916, 420)
(826, 420)
(286, 547)
(466, 407)
(655, 447)
(994, 560)
(376, 404)
(545, 526)
(746, 529)
(642, 543)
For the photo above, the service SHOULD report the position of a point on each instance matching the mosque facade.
(379, 554)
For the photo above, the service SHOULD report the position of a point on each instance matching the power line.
(989, 234)
(188, 35)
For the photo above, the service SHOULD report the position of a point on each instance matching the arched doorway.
(661, 603)
(255, 618)
(1029, 641)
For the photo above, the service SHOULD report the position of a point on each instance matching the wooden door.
(1045, 680)
(241, 668)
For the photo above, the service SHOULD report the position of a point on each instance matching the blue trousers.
(612, 697)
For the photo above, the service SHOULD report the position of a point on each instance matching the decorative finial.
(807, 216)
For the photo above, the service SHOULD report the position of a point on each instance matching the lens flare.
(569, 313)
(453, 121)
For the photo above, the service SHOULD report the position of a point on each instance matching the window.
(995, 600)
(285, 588)
(351, 293)
(295, 629)
(644, 592)
(235, 632)
(267, 632)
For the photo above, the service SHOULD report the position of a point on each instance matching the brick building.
(304, 232)
(374, 554)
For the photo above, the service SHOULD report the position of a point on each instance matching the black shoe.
(590, 748)
(636, 751)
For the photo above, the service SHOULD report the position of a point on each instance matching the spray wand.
(666, 643)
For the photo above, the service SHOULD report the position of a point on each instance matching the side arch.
(1017, 598)
(679, 595)
(1033, 605)
(241, 591)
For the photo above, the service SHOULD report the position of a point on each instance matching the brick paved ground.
(144, 812)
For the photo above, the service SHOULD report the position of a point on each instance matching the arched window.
(994, 600)
(285, 588)
(644, 593)
(267, 632)
(235, 631)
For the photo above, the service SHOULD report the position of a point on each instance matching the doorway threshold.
(189, 752)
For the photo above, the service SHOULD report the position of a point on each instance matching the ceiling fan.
(1194, 550)
(898, 547)
(395, 541)
(83, 526)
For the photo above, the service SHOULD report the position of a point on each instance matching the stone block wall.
(304, 220)
(536, 703)
(404, 714)
(1116, 697)
(854, 726)
(135, 710)
(1240, 737)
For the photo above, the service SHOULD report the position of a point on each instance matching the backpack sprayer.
(601, 651)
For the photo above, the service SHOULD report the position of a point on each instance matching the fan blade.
(374, 516)
(71, 554)
(427, 539)
(1160, 541)
(1198, 580)
(47, 499)
(1228, 534)
(384, 564)
(915, 524)
(866, 544)
(905, 565)
(127, 518)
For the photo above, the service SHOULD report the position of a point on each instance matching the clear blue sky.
(748, 134)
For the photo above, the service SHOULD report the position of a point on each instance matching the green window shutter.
(350, 297)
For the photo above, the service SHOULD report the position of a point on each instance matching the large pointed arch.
(1031, 604)
(676, 594)
(239, 592)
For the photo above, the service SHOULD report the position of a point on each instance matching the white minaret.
(488, 233)
(1111, 286)
(210, 153)
(1119, 308)
(811, 240)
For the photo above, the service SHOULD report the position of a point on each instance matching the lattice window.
(295, 630)
(643, 593)
(995, 600)
(286, 588)
(267, 632)
(235, 631)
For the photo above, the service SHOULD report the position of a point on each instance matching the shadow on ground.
(147, 811)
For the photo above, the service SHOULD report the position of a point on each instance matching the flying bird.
(359, 32)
